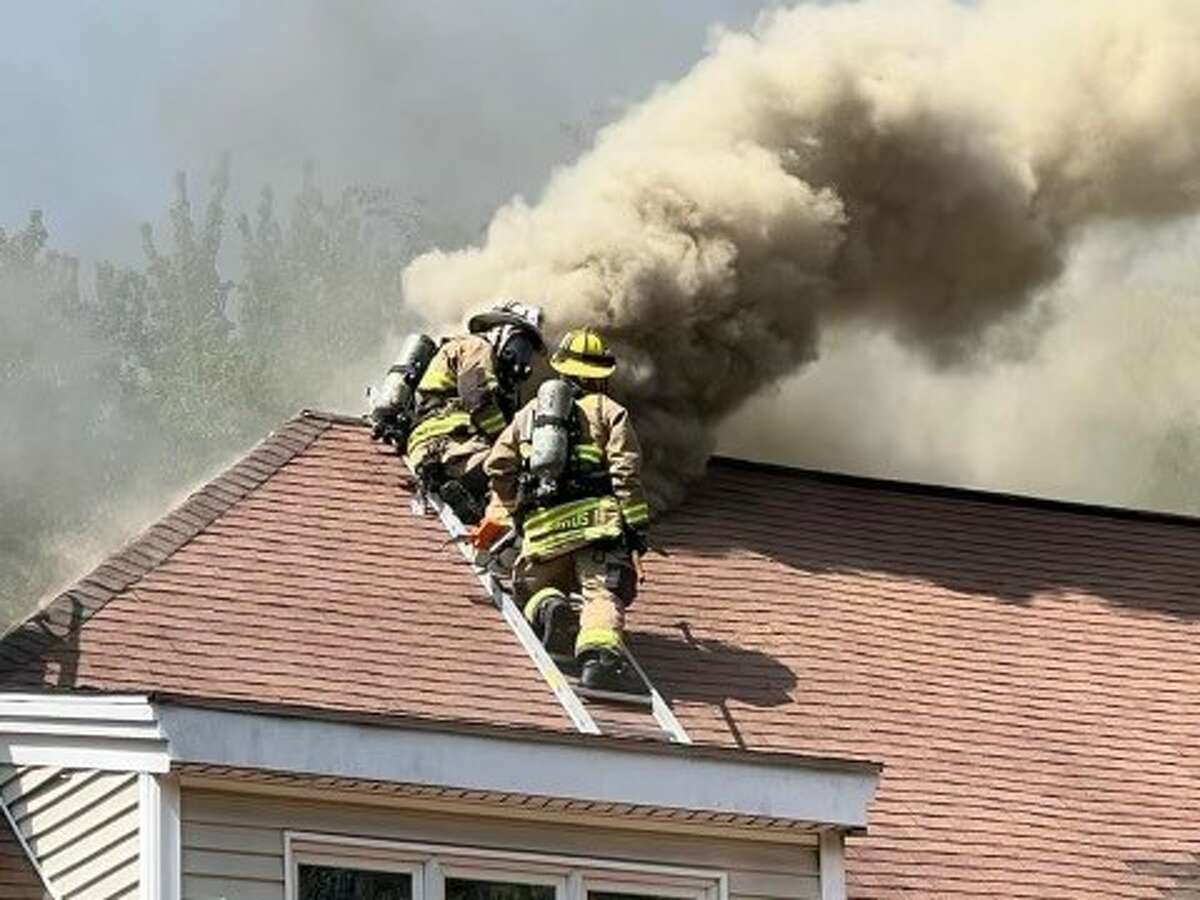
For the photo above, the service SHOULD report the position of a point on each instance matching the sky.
(461, 105)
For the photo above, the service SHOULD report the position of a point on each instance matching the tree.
(174, 367)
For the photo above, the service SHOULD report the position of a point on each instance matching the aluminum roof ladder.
(587, 709)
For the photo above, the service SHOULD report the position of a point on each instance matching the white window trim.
(431, 864)
(833, 865)
(159, 830)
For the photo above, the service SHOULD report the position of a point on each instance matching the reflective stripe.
(573, 540)
(598, 639)
(636, 513)
(569, 526)
(439, 379)
(588, 453)
(436, 426)
(544, 519)
(492, 421)
(532, 604)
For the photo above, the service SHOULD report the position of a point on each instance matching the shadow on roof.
(45, 653)
(1004, 550)
(713, 672)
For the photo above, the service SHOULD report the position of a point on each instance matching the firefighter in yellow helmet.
(466, 396)
(568, 471)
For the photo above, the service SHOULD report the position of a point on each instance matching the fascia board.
(112, 733)
(831, 796)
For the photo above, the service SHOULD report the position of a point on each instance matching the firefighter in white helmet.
(568, 472)
(466, 396)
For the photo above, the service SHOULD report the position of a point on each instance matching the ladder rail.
(663, 714)
(571, 703)
(567, 698)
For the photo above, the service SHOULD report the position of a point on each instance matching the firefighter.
(567, 470)
(466, 396)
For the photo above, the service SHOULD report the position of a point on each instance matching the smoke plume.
(1101, 407)
(920, 169)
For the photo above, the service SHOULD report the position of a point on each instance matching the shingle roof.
(1026, 671)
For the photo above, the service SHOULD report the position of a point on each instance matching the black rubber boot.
(557, 624)
(604, 670)
(465, 505)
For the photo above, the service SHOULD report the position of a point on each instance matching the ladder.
(590, 711)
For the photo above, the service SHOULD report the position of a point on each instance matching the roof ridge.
(71, 608)
(334, 418)
(957, 492)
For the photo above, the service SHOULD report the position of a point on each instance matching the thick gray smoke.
(1100, 407)
(922, 169)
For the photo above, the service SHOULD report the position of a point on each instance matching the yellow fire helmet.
(583, 354)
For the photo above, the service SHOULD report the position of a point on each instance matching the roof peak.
(899, 485)
(928, 489)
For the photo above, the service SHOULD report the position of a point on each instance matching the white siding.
(233, 844)
(82, 826)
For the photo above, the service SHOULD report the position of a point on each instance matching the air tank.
(551, 429)
(396, 394)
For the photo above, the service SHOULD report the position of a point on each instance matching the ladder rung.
(625, 699)
(632, 731)
(558, 671)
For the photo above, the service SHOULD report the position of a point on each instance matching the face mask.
(516, 358)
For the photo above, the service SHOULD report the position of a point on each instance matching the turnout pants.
(603, 576)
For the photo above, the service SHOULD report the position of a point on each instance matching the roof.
(1025, 670)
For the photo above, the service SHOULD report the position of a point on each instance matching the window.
(329, 867)
(331, 883)
(473, 889)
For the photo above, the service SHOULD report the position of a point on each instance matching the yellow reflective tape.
(546, 517)
(597, 639)
(492, 422)
(439, 379)
(555, 544)
(436, 426)
(589, 452)
(636, 513)
(532, 604)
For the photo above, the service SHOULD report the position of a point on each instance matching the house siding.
(233, 845)
(81, 825)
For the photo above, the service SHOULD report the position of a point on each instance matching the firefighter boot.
(605, 670)
(556, 623)
(465, 505)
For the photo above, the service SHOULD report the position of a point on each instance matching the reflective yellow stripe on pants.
(602, 617)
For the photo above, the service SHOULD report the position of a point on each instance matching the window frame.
(430, 864)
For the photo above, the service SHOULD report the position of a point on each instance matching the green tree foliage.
(67, 429)
(171, 323)
(321, 290)
(124, 398)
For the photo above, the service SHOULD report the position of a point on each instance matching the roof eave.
(823, 792)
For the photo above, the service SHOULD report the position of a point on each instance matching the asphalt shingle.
(1027, 672)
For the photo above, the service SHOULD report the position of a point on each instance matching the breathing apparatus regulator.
(515, 349)
(392, 409)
